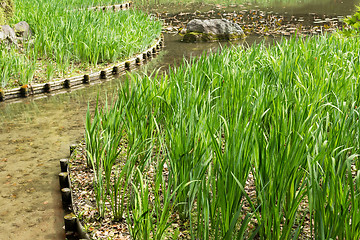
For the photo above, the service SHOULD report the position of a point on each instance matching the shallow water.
(328, 7)
(35, 134)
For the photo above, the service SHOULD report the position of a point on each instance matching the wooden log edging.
(68, 83)
(73, 227)
(113, 7)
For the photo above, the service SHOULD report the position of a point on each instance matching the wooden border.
(73, 227)
(114, 7)
(68, 83)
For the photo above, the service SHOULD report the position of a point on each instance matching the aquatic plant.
(259, 142)
(2, 16)
(354, 20)
(353, 24)
(66, 40)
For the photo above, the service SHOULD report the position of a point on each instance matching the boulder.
(22, 30)
(212, 29)
(7, 34)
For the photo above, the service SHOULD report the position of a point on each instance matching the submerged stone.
(212, 30)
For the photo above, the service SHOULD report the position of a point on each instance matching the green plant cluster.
(2, 16)
(6, 10)
(281, 120)
(353, 24)
(91, 3)
(67, 39)
(354, 20)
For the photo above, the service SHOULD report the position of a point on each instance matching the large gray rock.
(22, 30)
(212, 29)
(214, 26)
(7, 34)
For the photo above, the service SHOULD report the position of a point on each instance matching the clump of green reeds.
(16, 69)
(250, 143)
(65, 39)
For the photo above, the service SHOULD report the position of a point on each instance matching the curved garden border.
(68, 83)
(116, 69)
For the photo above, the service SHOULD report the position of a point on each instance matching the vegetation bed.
(67, 42)
(250, 143)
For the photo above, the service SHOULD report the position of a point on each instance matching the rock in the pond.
(212, 29)
(7, 34)
(22, 30)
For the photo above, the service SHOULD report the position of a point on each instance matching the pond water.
(329, 7)
(36, 133)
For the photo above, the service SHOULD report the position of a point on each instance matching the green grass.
(66, 41)
(91, 3)
(286, 115)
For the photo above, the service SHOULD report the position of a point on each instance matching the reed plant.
(247, 143)
(66, 40)
(92, 3)
(16, 69)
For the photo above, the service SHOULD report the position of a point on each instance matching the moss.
(7, 10)
(192, 37)
(24, 90)
(208, 37)
(2, 17)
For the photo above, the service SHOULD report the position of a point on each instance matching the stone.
(22, 30)
(7, 34)
(212, 29)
